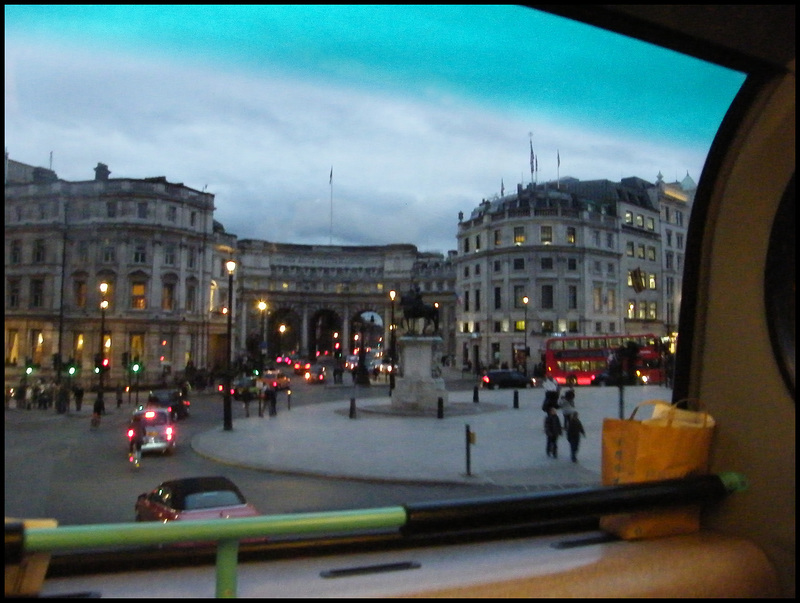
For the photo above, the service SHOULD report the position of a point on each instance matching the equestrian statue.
(413, 307)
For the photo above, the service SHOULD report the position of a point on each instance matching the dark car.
(316, 374)
(171, 399)
(606, 378)
(507, 378)
(301, 366)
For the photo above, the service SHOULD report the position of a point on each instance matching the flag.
(532, 157)
(330, 180)
(558, 157)
(502, 188)
(537, 164)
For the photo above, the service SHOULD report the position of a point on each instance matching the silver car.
(160, 431)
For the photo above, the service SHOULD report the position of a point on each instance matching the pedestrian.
(552, 429)
(77, 390)
(567, 405)
(119, 395)
(574, 433)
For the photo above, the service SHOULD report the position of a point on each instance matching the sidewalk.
(376, 445)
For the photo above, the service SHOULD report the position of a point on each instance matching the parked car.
(171, 399)
(160, 432)
(194, 498)
(277, 380)
(316, 374)
(507, 378)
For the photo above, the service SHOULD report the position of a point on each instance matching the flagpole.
(558, 170)
(330, 183)
(530, 140)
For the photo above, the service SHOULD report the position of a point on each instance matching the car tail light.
(150, 414)
(486, 378)
(169, 433)
(220, 388)
(130, 434)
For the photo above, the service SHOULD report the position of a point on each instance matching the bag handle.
(672, 408)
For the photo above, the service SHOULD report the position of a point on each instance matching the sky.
(350, 125)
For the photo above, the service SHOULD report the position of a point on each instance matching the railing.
(414, 520)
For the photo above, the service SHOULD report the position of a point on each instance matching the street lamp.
(392, 344)
(103, 306)
(281, 331)
(262, 305)
(525, 324)
(227, 416)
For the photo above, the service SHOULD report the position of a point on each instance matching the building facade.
(592, 257)
(572, 257)
(163, 258)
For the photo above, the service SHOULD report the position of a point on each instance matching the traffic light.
(105, 365)
(29, 366)
(126, 360)
(136, 366)
(98, 363)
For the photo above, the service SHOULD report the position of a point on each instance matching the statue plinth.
(421, 385)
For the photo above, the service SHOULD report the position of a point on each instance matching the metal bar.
(126, 534)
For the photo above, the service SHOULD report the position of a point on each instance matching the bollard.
(273, 403)
(470, 440)
(516, 398)
(289, 399)
(440, 408)
(352, 408)
(475, 395)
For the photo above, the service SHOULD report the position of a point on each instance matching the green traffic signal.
(135, 367)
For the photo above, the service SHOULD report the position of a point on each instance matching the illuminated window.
(138, 293)
(519, 235)
(546, 235)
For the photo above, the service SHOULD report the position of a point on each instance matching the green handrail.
(227, 533)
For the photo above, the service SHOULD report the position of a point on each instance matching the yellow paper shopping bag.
(673, 443)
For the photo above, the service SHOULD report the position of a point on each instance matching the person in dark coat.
(552, 429)
(574, 433)
(550, 401)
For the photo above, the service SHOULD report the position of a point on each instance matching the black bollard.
(475, 395)
(516, 399)
(352, 408)
(440, 408)
(289, 400)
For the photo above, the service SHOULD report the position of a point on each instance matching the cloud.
(404, 167)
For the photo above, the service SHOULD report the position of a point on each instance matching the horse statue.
(413, 307)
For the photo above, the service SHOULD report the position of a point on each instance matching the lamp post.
(392, 344)
(262, 305)
(103, 306)
(525, 324)
(281, 331)
(227, 416)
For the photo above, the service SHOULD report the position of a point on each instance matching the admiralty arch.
(315, 300)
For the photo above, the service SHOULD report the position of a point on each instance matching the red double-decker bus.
(588, 360)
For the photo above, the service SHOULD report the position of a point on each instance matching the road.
(55, 466)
